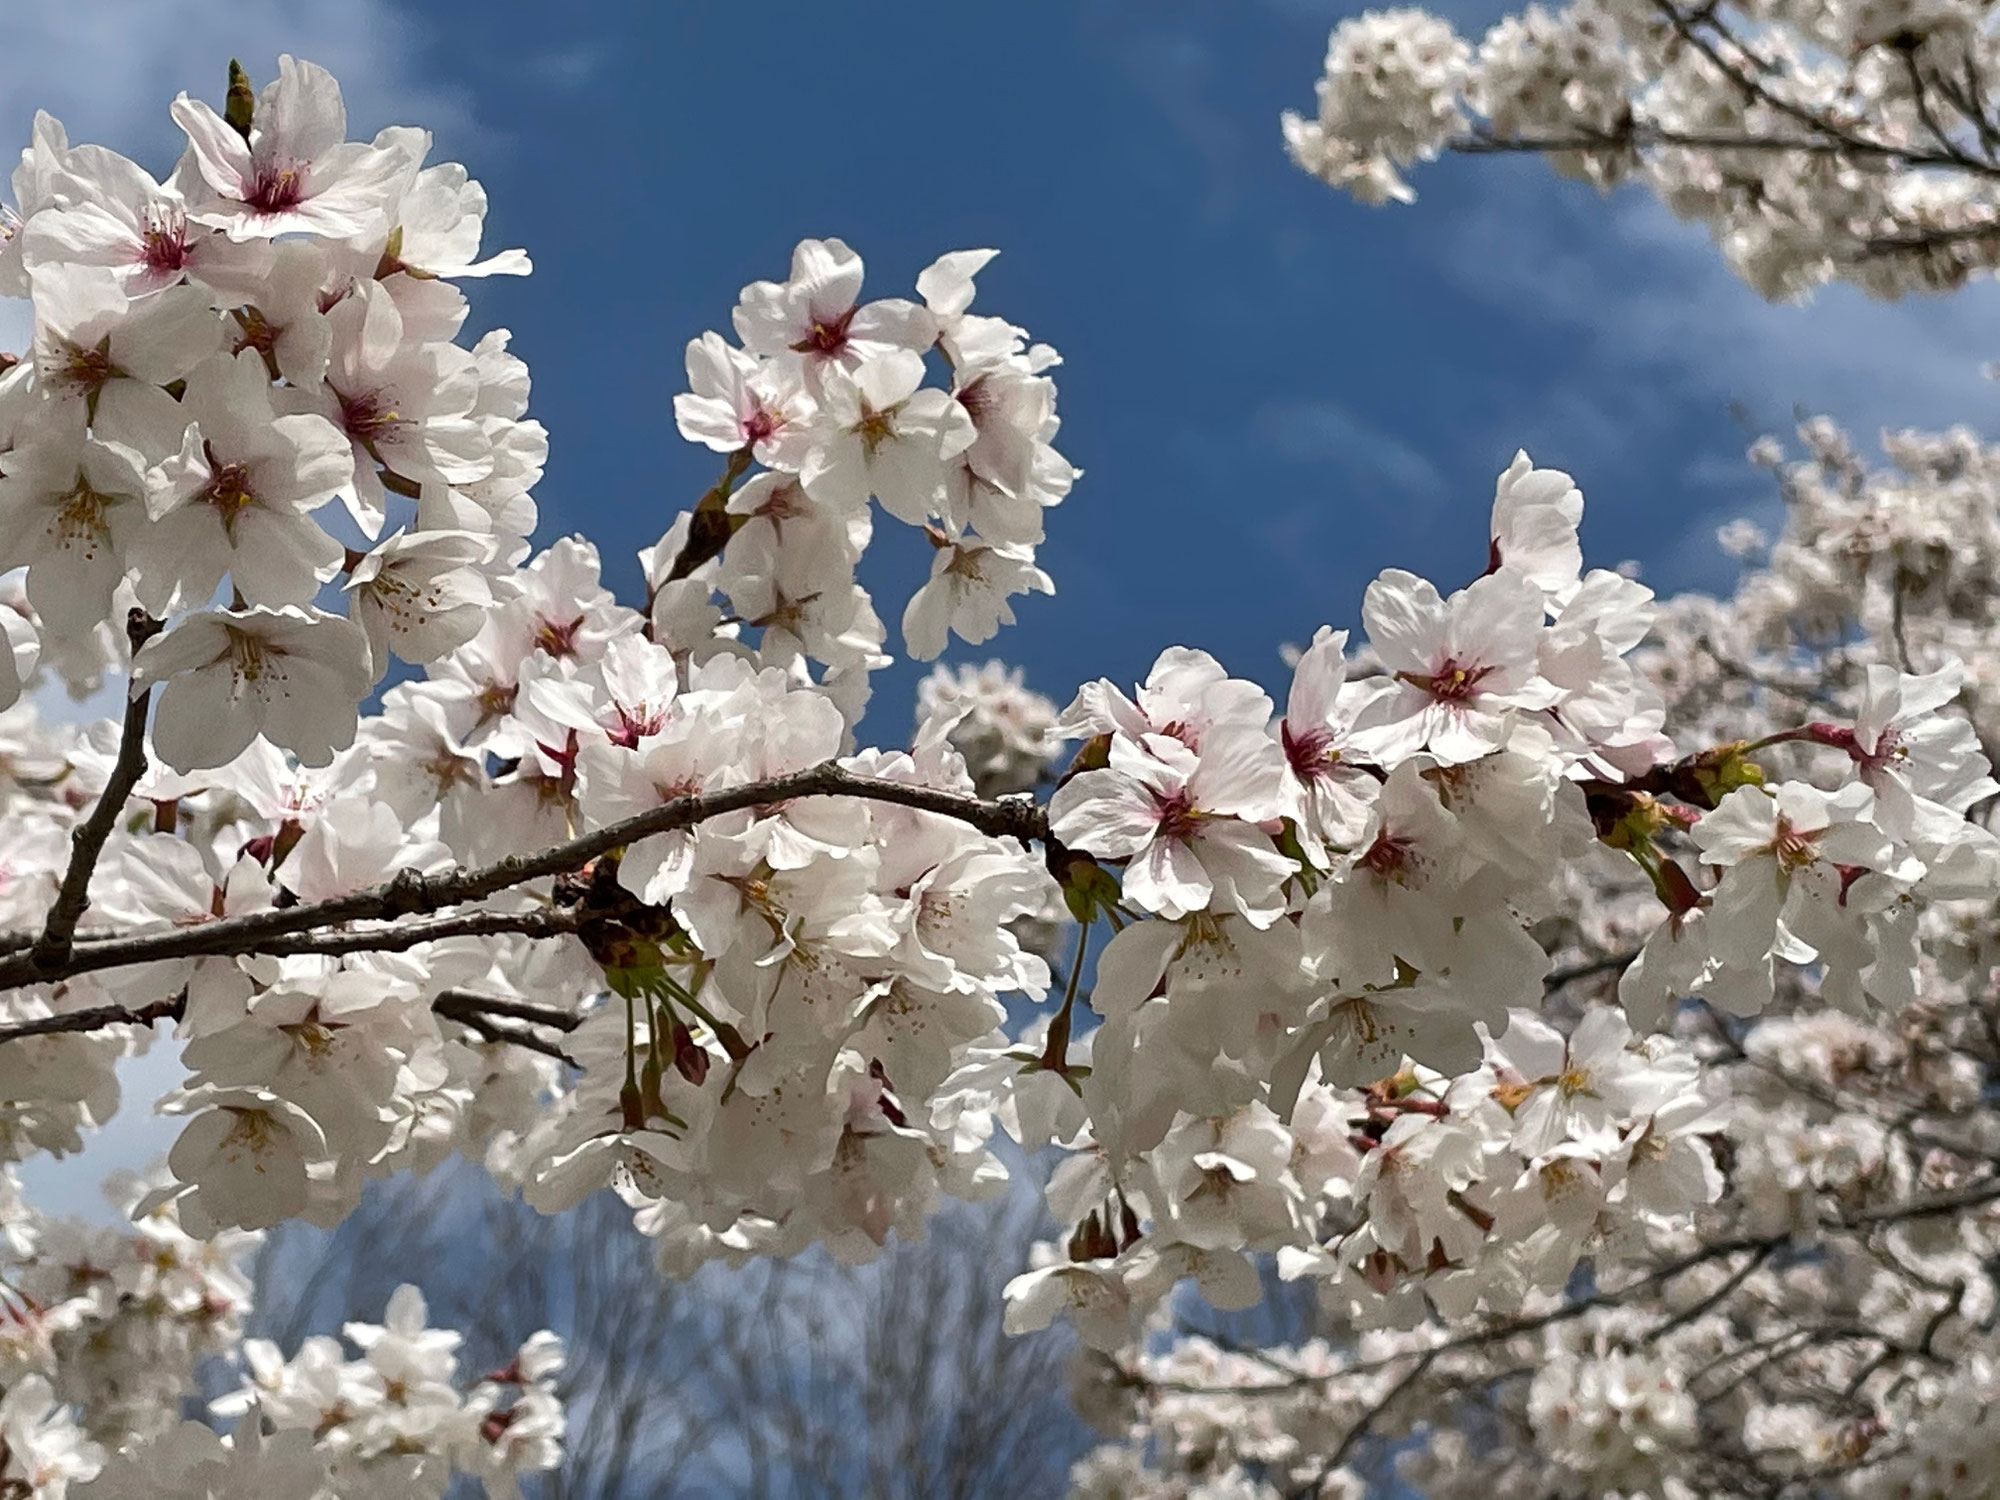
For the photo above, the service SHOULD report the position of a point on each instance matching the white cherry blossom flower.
(1187, 823)
(813, 317)
(69, 508)
(420, 595)
(297, 172)
(296, 676)
(967, 596)
(879, 433)
(1459, 665)
(238, 496)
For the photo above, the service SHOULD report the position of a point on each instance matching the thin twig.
(534, 924)
(96, 1019)
(516, 1036)
(1685, 27)
(1715, 1298)
(1557, 979)
(1897, 612)
(1639, 136)
(451, 1005)
(1366, 1421)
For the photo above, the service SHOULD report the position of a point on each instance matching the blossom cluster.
(609, 895)
(1855, 1362)
(1824, 1320)
(1349, 893)
(1853, 140)
(274, 343)
(101, 1335)
(1417, 1192)
(233, 370)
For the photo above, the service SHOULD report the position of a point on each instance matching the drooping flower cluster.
(1414, 1191)
(1853, 141)
(1827, 1322)
(828, 393)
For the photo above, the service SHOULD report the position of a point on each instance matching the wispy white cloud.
(568, 67)
(109, 68)
(1648, 290)
(1666, 339)
(1650, 295)
(1326, 433)
(1347, 465)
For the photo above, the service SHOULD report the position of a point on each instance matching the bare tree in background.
(796, 1378)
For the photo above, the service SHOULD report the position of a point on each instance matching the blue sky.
(1274, 392)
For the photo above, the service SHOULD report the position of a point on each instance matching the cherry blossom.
(1586, 993)
(294, 170)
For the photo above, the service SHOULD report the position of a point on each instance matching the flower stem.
(1055, 1056)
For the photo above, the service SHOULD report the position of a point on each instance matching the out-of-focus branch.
(1760, 1247)
(1639, 136)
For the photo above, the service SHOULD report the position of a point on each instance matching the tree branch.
(1760, 1247)
(1685, 26)
(461, 1006)
(96, 1018)
(1929, 239)
(515, 1036)
(1639, 136)
(87, 841)
(411, 893)
(534, 924)
(1365, 1423)
(452, 1002)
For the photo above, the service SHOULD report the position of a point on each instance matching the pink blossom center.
(230, 489)
(1179, 817)
(87, 370)
(977, 399)
(1391, 857)
(1452, 681)
(825, 336)
(1888, 750)
(278, 189)
(163, 246)
(497, 699)
(635, 723)
(1312, 752)
(557, 637)
(784, 501)
(368, 416)
(1795, 847)
(493, 1426)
